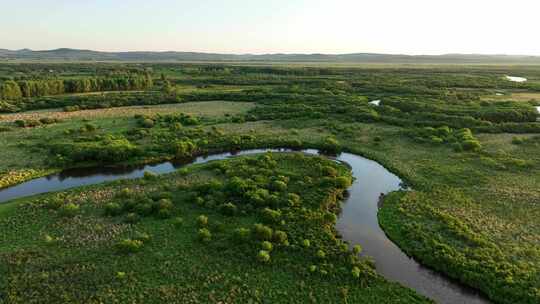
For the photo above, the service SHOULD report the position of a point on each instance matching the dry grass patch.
(207, 108)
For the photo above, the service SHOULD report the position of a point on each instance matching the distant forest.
(12, 89)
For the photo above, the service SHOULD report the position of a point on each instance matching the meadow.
(465, 140)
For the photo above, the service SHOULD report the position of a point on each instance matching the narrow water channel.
(357, 223)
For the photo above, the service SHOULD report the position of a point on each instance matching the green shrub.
(165, 204)
(331, 145)
(178, 222)
(71, 108)
(53, 203)
(271, 216)
(149, 175)
(113, 209)
(164, 213)
(267, 246)
(357, 249)
(471, 145)
(278, 185)
(263, 256)
(88, 128)
(343, 182)
(241, 235)
(120, 275)
(280, 237)
(142, 236)
(263, 233)
(306, 243)
(518, 140)
(124, 193)
(199, 201)
(228, 209)
(143, 209)
(329, 171)
(69, 210)
(49, 240)
(147, 123)
(356, 272)
(132, 218)
(129, 246)
(321, 254)
(330, 217)
(48, 120)
(202, 221)
(293, 199)
(204, 235)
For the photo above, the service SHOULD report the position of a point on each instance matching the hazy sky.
(270, 26)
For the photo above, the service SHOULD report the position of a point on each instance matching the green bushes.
(271, 216)
(147, 123)
(104, 149)
(183, 148)
(460, 140)
(267, 246)
(113, 209)
(48, 120)
(229, 209)
(280, 237)
(204, 235)
(331, 146)
(262, 232)
(202, 220)
(279, 185)
(343, 182)
(241, 235)
(69, 210)
(263, 256)
(128, 246)
(71, 108)
(29, 123)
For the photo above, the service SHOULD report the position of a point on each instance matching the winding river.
(357, 223)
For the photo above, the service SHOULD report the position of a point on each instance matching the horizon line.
(269, 53)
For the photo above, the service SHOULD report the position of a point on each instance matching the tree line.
(12, 90)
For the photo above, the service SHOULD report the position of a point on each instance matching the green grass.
(23, 148)
(79, 263)
(467, 208)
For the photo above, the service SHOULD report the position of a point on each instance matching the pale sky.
(275, 26)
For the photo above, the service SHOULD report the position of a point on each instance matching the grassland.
(473, 213)
(210, 108)
(49, 255)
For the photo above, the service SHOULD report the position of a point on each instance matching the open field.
(517, 96)
(211, 108)
(471, 157)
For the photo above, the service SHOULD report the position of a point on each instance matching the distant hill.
(66, 54)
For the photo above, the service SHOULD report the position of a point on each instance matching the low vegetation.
(83, 245)
(464, 138)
